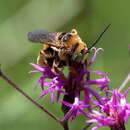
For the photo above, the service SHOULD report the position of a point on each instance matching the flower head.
(114, 113)
(71, 86)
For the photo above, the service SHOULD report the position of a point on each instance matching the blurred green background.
(89, 17)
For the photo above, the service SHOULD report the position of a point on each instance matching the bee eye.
(66, 38)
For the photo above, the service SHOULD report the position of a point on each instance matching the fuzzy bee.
(59, 47)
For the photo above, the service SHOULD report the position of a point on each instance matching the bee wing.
(42, 36)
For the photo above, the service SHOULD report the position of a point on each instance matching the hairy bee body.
(58, 47)
(45, 57)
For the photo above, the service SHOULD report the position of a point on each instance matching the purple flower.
(83, 94)
(55, 85)
(102, 82)
(77, 81)
(75, 109)
(114, 113)
(45, 71)
(78, 107)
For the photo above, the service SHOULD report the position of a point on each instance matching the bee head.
(71, 39)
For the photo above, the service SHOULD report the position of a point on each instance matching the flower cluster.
(113, 113)
(84, 95)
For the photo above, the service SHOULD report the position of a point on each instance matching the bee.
(59, 48)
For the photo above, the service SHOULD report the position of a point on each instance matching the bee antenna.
(99, 37)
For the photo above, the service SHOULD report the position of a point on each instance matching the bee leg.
(55, 67)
